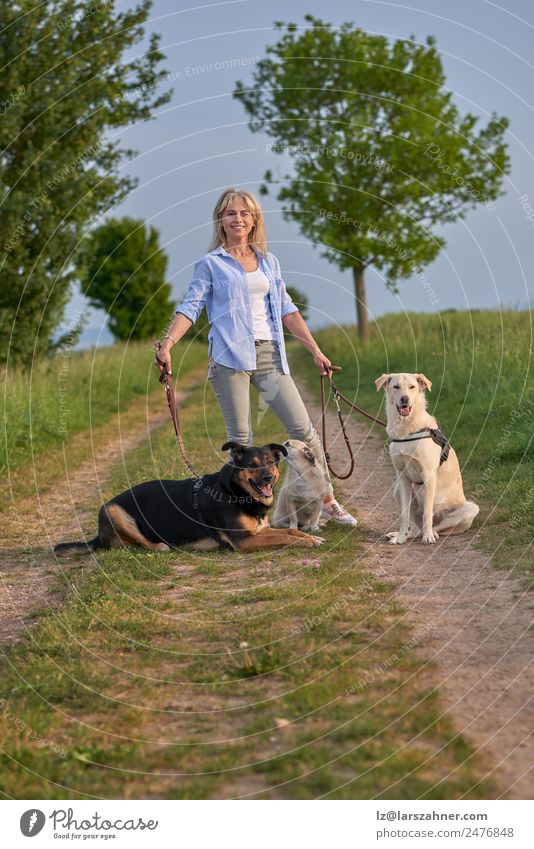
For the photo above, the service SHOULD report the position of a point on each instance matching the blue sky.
(200, 144)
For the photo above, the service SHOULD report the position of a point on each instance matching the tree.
(123, 270)
(381, 154)
(65, 83)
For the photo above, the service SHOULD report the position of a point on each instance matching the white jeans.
(232, 390)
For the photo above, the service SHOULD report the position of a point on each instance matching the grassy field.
(284, 675)
(481, 368)
(73, 394)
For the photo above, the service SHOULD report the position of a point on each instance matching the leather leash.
(198, 479)
(171, 401)
(337, 396)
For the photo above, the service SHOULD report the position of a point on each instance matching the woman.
(240, 284)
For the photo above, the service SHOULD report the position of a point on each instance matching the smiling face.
(257, 469)
(259, 477)
(403, 390)
(237, 221)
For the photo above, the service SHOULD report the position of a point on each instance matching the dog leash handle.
(173, 409)
(164, 376)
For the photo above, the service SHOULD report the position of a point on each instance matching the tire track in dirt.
(482, 642)
(29, 570)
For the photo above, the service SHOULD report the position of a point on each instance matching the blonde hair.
(256, 237)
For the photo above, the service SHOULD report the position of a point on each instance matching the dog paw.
(309, 541)
(317, 540)
(162, 546)
(396, 538)
(430, 538)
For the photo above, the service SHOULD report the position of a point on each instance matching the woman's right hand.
(163, 357)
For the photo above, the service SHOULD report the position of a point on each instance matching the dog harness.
(434, 433)
(197, 484)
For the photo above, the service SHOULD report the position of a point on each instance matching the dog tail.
(65, 548)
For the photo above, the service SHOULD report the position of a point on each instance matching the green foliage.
(65, 83)
(381, 153)
(124, 273)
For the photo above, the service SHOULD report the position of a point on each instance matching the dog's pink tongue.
(405, 411)
(267, 490)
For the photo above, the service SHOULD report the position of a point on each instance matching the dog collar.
(434, 433)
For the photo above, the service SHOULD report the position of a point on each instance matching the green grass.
(54, 415)
(482, 374)
(72, 392)
(212, 676)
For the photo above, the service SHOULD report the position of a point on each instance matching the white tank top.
(258, 288)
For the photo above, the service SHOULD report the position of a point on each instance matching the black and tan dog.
(228, 508)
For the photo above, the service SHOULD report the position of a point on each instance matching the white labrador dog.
(429, 489)
(301, 497)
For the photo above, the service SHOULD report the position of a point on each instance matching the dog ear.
(277, 450)
(382, 381)
(308, 453)
(424, 382)
(236, 450)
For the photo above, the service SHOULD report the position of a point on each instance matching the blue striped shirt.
(220, 284)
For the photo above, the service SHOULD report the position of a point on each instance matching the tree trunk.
(361, 304)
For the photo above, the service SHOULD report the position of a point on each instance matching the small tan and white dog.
(301, 497)
(429, 489)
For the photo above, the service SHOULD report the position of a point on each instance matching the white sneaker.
(336, 513)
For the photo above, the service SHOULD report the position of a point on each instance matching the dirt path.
(29, 571)
(482, 646)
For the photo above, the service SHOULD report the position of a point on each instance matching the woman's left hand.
(322, 362)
